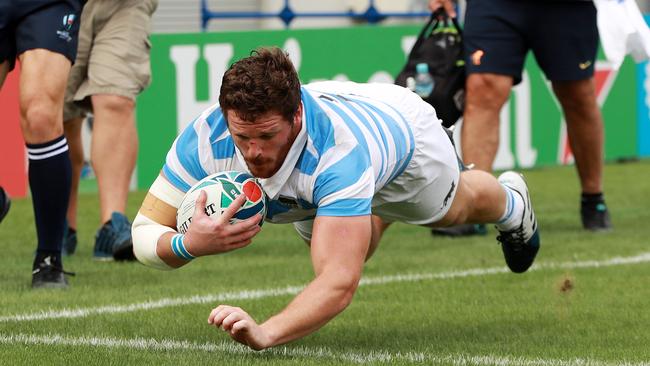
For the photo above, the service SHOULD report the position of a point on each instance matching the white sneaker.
(520, 245)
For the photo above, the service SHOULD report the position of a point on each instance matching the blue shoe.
(520, 245)
(69, 241)
(5, 203)
(113, 240)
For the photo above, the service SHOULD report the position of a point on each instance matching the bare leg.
(585, 130)
(480, 199)
(72, 129)
(114, 150)
(485, 96)
(43, 79)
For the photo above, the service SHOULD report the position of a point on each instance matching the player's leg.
(494, 60)
(433, 191)
(72, 129)
(586, 137)
(42, 83)
(573, 84)
(495, 52)
(113, 155)
(118, 72)
(46, 42)
(113, 151)
(481, 198)
(585, 130)
(485, 96)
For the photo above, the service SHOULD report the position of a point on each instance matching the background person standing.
(112, 69)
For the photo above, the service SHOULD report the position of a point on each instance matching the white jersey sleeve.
(203, 148)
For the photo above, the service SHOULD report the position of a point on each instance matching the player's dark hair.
(264, 82)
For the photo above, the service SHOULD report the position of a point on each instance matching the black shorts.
(563, 36)
(30, 24)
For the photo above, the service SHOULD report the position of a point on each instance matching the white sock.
(511, 218)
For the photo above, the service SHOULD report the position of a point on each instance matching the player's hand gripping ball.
(222, 188)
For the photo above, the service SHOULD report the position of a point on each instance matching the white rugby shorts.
(423, 193)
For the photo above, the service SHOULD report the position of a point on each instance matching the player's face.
(264, 142)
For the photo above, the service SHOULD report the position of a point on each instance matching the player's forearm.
(152, 243)
(325, 297)
(155, 225)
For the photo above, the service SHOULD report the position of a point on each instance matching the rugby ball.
(222, 188)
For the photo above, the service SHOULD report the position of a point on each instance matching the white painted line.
(292, 290)
(359, 357)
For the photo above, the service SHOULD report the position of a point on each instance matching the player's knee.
(487, 91)
(462, 206)
(113, 103)
(42, 120)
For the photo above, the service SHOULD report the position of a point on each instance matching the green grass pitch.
(425, 300)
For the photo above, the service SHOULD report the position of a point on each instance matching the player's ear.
(297, 117)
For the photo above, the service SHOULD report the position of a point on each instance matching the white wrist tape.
(146, 233)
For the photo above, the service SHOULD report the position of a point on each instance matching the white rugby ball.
(222, 188)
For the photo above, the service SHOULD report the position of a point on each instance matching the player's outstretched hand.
(240, 326)
(212, 236)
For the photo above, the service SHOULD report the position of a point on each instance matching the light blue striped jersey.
(352, 143)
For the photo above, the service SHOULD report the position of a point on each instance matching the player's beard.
(262, 168)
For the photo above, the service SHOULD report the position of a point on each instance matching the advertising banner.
(187, 71)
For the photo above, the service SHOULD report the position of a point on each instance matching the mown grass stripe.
(292, 290)
(359, 357)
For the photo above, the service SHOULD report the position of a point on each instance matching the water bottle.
(410, 83)
(423, 80)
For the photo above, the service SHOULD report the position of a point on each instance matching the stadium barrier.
(371, 15)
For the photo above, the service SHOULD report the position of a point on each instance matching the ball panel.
(252, 191)
(222, 188)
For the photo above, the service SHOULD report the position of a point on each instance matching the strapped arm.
(156, 217)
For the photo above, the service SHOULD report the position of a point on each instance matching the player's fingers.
(231, 319)
(213, 313)
(240, 327)
(234, 236)
(233, 207)
(246, 225)
(239, 244)
(199, 205)
(218, 314)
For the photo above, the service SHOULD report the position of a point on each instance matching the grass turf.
(547, 316)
